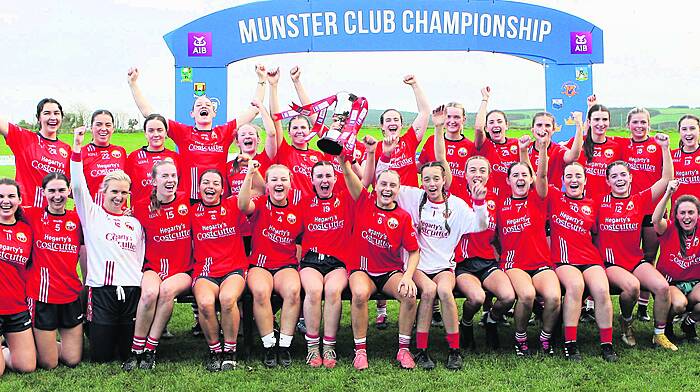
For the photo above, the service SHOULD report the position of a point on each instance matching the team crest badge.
(697, 159)
(223, 211)
(586, 210)
(462, 152)
(70, 225)
(63, 152)
(313, 159)
(336, 203)
(609, 153)
(630, 206)
(129, 226)
(182, 209)
(491, 205)
(292, 219)
(446, 214)
(21, 237)
(651, 148)
(514, 149)
(116, 154)
(392, 223)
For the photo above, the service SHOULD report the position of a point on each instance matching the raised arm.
(295, 74)
(141, 102)
(439, 143)
(657, 218)
(573, 154)
(245, 204)
(273, 77)
(81, 193)
(389, 144)
(541, 181)
(480, 121)
(420, 123)
(249, 114)
(352, 182)
(4, 126)
(660, 186)
(370, 163)
(270, 130)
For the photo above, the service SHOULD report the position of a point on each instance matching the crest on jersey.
(336, 203)
(292, 219)
(491, 205)
(357, 154)
(313, 159)
(446, 214)
(70, 225)
(21, 237)
(651, 148)
(392, 223)
(697, 159)
(630, 206)
(129, 226)
(116, 154)
(182, 209)
(214, 136)
(63, 152)
(223, 211)
(586, 210)
(609, 153)
(462, 152)
(514, 149)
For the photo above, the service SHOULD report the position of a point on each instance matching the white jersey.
(437, 245)
(115, 243)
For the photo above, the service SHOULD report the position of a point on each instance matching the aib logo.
(581, 42)
(199, 44)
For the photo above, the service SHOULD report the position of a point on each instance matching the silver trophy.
(333, 141)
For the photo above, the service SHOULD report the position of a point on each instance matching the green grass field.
(180, 365)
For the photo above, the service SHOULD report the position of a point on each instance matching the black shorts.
(378, 280)
(646, 222)
(581, 268)
(218, 281)
(276, 270)
(432, 276)
(113, 305)
(248, 245)
(547, 228)
(321, 263)
(481, 268)
(534, 272)
(608, 265)
(49, 317)
(12, 323)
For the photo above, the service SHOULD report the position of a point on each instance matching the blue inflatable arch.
(564, 44)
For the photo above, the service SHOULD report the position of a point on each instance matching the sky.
(79, 51)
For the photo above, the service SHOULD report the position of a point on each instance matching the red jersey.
(35, 157)
(52, 276)
(139, 165)
(686, 168)
(299, 163)
(15, 249)
(672, 264)
(556, 164)
(379, 235)
(500, 156)
(479, 244)
(275, 230)
(98, 162)
(235, 178)
(457, 154)
(403, 160)
(327, 225)
(646, 164)
(168, 236)
(571, 222)
(603, 154)
(620, 228)
(218, 244)
(520, 229)
(200, 151)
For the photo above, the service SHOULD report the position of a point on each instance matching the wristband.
(76, 156)
(262, 83)
(354, 161)
(478, 202)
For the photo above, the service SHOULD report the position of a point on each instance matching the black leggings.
(106, 341)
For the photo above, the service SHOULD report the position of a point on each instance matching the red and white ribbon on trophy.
(347, 137)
